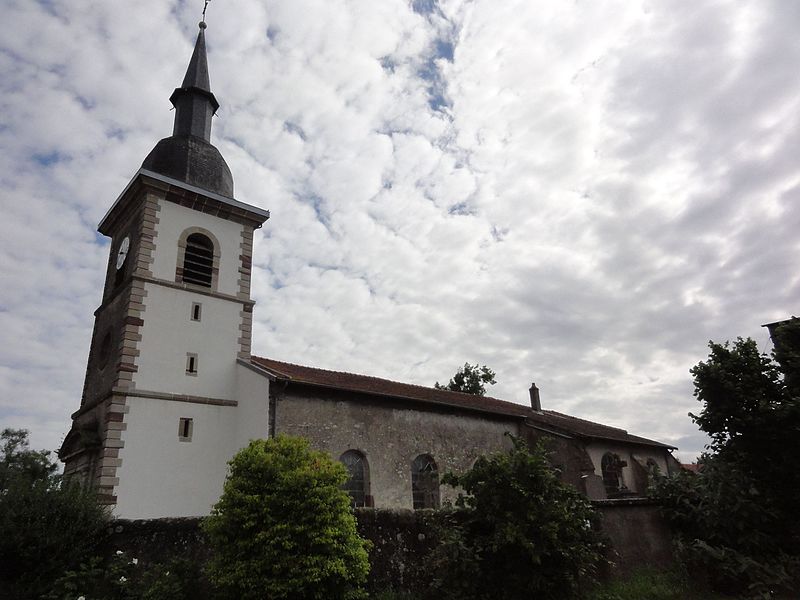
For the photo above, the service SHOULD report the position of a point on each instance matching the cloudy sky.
(580, 194)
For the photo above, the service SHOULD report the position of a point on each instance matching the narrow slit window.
(198, 261)
(191, 364)
(185, 429)
(196, 311)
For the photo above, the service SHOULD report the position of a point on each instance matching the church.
(172, 390)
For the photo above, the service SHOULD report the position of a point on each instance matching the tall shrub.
(521, 533)
(46, 525)
(736, 521)
(283, 528)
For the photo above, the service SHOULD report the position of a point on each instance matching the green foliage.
(17, 460)
(520, 533)
(735, 520)
(470, 379)
(283, 528)
(123, 578)
(46, 526)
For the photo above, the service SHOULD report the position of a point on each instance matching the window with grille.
(425, 482)
(357, 483)
(198, 261)
(611, 466)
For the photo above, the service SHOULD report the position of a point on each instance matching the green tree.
(470, 379)
(736, 520)
(46, 525)
(520, 533)
(17, 460)
(283, 528)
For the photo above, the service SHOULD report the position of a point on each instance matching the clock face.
(122, 252)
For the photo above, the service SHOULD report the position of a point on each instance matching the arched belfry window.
(611, 466)
(198, 260)
(357, 484)
(425, 482)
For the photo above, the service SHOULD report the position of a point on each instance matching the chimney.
(536, 404)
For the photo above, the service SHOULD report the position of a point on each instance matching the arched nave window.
(425, 482)
(357, 484)
(611, 466)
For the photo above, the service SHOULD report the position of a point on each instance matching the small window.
(191, 364)
(185, 427)
(198, 261)
(196, 311)
(425, 482)
(357, 483)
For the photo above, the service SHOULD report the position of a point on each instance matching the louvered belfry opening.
(198, 262)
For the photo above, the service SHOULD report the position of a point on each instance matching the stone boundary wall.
(638, 535)
(403, 539)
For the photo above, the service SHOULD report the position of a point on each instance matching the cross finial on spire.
(203, 22)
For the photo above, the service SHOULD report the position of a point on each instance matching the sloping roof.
(590, 429)
(384, 387)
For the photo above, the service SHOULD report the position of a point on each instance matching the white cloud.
(580, 195)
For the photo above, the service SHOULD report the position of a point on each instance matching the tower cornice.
(182, 193)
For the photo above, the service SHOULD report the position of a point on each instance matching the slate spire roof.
(188, 154)
(194, 101)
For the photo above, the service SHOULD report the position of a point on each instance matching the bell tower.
(160, 407)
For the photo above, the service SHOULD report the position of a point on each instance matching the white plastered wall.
(252, 394)
(168, 334)
(162, 476)
(173, 220)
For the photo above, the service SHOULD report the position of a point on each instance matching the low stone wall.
(637, 533)
(403, 539)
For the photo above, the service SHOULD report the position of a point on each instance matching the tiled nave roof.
(365, 384)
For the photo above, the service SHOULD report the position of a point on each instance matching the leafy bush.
(123, 578)
(46, 525)
(283, 528)
(520, 533)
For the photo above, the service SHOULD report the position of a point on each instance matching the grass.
(653, 585)
(642, 585)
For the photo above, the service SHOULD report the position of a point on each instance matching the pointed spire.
(188, 155)
(194, 102)
(197, 73)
